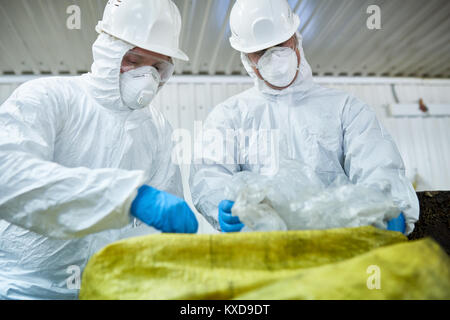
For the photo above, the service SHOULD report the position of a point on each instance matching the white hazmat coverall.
(72, 156)
(328, 129)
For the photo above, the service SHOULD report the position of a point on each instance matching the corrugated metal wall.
(414, 39)
(423, 142)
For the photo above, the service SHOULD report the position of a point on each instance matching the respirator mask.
(143, 75)
(276, 65)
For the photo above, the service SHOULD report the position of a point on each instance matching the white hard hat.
(260, 24)
(153, 25)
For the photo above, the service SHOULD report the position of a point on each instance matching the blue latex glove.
(397, 224)
(227, 222)
(163, 211)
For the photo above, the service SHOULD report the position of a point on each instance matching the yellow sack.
(349, 263)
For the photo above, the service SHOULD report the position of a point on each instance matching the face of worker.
(255, 56)
(142, 74)
(138, 57)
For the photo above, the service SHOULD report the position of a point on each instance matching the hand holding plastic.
(397, 224)
(228, 223)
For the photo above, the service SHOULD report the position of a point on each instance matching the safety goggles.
(134, 59)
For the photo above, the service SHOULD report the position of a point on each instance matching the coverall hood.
(103, 81)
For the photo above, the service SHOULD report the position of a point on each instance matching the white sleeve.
(371, 157)
(210, 171)
(42, 196)
(167, 176)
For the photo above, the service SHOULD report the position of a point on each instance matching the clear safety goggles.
(135, 59)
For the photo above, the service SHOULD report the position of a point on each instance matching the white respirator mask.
(139, 86)
(278, 66)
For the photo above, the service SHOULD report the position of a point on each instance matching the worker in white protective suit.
(330, 130)
(82, 157)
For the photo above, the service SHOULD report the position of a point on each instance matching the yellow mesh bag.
(348, 263)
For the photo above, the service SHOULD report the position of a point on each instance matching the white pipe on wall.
(5, 79)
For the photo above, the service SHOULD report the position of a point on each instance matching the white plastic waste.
(296, 199)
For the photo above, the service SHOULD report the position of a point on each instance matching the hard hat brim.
(269, 44)
(177, 54)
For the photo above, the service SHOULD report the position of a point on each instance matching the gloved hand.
(227, 222)
(397, 224)
(163, 211)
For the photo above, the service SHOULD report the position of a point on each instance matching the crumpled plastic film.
(313, 264)
(296, 199)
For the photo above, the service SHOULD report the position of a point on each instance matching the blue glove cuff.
(138, 205)
(163, 211)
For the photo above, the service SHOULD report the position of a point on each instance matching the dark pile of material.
(434, 219)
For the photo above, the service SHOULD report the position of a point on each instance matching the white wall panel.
(5, 90)
(423, 142)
